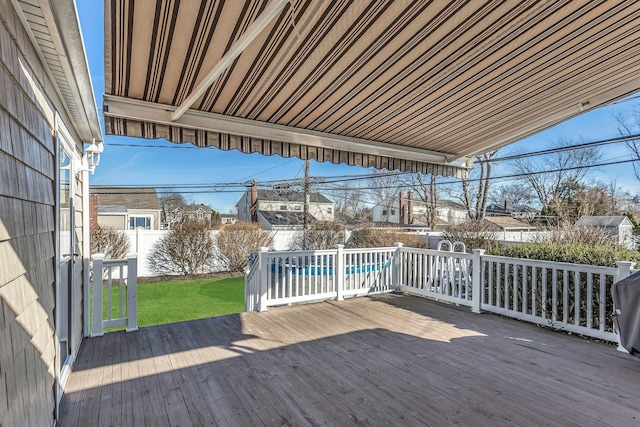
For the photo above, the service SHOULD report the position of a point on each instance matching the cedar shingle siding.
(28, 161)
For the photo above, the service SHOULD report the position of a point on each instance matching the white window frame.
(146, 217)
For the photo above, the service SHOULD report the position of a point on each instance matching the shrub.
(186, 249)
(236, 241)
(321, 235)
(605, 256)
(571, 234)
(376, 238)
(112, 243)
(474, 234)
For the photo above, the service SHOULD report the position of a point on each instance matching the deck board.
(381, 360)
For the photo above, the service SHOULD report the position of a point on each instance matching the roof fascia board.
(256, 27)
(69, 46)
(126, 108)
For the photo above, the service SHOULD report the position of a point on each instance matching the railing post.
(477, 288)
(340, 273)
(397, 267)
(624, 269)
(262, 286)
(96, 330)
(132, 292)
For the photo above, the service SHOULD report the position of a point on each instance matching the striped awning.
(411, 85)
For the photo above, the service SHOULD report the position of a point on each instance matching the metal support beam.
(271, 11)
(132, 109)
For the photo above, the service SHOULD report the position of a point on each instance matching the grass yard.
(180, 300)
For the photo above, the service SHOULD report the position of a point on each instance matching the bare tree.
(186, 249)
(476, 189)
(515, 193)
(629, 124)
(112, 243)
(321, 235)
(237, 241)
(350, 199)
(553, 177)
(426, 190)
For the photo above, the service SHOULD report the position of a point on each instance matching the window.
(297, 207)
(329, 210)
(143, 222)
(384, 211)
(393, 211)
(178, 215)
(283, 207)
(200, 215)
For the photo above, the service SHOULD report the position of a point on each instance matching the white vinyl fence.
(565, 296)
(142, 241)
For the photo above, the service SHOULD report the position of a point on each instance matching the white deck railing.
(571, 297)
(118, 279)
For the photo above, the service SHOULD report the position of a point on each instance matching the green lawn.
(180, 300)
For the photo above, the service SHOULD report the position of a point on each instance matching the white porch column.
(264, 277)
(397, 267)
(476, 281)
(340, 274)
(132, 292)
(96, 330)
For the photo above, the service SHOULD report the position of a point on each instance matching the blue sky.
(181, 164)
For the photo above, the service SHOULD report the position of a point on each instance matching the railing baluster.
(603, 301)
(589, 300)
(577, 296)
(565, 295)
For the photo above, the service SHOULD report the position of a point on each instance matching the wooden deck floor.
(387, 360)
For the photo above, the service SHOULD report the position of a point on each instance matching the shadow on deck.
(383, 360)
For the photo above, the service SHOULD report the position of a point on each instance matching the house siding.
(28, 105)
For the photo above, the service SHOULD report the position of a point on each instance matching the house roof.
(414, 86)
(55, 31)
(275, 218)
(603, 221)
(290, 196)
(132, 198)
(194, 208)
(112, 209)
(508, 223)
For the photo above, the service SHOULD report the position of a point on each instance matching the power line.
(563, 148)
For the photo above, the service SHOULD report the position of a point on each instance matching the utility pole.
(306, 201)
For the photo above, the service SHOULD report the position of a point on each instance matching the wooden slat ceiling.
(450, 79)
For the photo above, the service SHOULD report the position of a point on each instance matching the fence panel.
(368, 271)
(441, 275)
(566, 296)
(116, 280)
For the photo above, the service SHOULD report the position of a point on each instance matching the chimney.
(93, 212)
(506, 205)
(254, 202)
(410, 208)
(401, 221)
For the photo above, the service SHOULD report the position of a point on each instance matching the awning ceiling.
(409, 85)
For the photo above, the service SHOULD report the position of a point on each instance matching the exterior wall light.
(91, 158)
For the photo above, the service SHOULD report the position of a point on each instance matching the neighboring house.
(506, 223)
(261, 206)
(617, 226)
(518, 211)
(183, 213)
(47, 114)
(407, 211)
(125, 208)
(228, 219)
